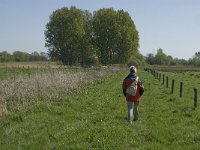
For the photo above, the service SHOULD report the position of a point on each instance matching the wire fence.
(177, 85)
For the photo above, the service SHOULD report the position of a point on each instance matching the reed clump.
(23, 91)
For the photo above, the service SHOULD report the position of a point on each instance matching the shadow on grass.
(121, 118)
(187, 111)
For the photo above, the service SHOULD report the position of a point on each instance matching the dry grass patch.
(24, 91)
(36, 64)
(3, 109)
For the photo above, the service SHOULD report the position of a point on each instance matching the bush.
(136, 61)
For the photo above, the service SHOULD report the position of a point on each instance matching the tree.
(65, 34)
(35, 56)
(21, 56)
(137, 60)
(43, 56)
(160, 58)
(75, 36)
(5, 57)
(150, 59)
(128, 41)
(88, 53)
(115, 36)
(196, 59)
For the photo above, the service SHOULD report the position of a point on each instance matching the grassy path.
(95, 118)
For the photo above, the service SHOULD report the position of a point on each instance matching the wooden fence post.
(163, 79)
(159, 76)
(195, 97)
(167, 82)
(181, 89)
(172, 86)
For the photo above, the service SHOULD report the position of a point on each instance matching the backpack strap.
(135, 79)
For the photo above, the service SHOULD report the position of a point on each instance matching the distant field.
(14, 69)
(42, 64)
(174, 68)
(14, 72)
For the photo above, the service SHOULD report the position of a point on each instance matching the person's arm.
(124, 88)
(141, 88)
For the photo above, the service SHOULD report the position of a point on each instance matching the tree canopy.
(64, 34)
(76, 36)
(160, 58)
(115, 36)
(19, 56)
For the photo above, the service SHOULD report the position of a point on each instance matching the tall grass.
(25, 90)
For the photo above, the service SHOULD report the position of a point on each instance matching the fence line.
(158, 76)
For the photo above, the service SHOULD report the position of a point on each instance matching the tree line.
(160, 58)
(19, 56)
(106, 36)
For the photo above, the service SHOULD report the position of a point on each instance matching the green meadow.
(94, 116)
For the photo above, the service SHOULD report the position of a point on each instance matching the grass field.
(175, 68)
(94, 117)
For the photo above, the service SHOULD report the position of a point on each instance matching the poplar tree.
(67, 35)
(115, 36)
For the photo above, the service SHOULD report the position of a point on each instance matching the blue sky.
(173, 25)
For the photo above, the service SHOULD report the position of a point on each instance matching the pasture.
(92, 115)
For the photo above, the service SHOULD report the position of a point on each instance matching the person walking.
(133, 89)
